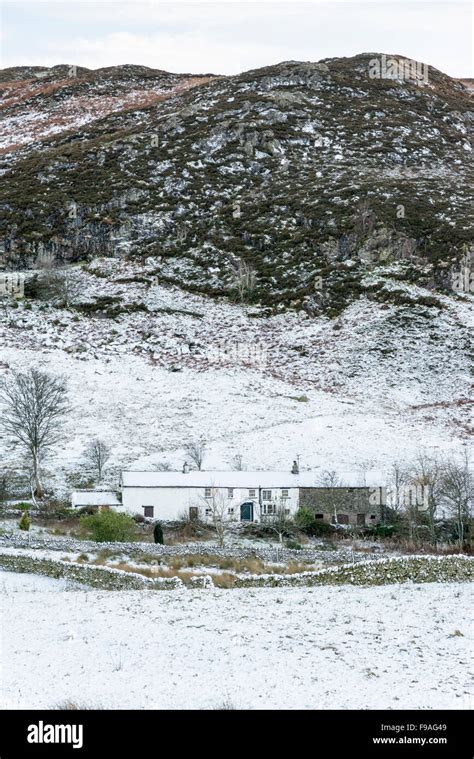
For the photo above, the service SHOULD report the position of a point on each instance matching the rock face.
(282, 185)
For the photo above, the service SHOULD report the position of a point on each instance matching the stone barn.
(357, 506)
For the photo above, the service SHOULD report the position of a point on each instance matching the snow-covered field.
(13, 582)
(346, 648)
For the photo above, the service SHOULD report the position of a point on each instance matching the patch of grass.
(124, 567)
(225, 706)
(224, 580)
(69, 706)
(106, 553)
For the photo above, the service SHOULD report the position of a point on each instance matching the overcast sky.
(229, 37)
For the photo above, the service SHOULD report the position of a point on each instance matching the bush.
(321, 529)
(109, 527)
(381, 530)
(25, 522)
(293, 545)
(158, 533)
(304, 518)
(306, 521)
(86, 510)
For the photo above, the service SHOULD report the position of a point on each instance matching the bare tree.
(237, 462)
(427, 478)
(394, 501)
(35, 406)
(65, 287)
(4, 485)
(163, 466)
(244, 279)
(365, 217)
(59, 285)
(97, 455)
(7, 303)
(398, 478)
(279, 520)
(196, 450)
(364, 466)
(335, 499)
(457, 493)
(217, 505)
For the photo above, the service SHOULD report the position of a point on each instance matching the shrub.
(304, 518)
(381, 530)
(294, 545)
(25, 522)
(321, 529)
(87, 510)
(158, 533)
(109, 526)
(306, 521)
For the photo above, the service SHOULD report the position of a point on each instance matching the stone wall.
(101, 578)
(416, 569)
(266, 553)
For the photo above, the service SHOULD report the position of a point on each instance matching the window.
(319, 516)
(284, 493)
(193, 512)
(341, 519)
(230, 511)
(148, 511)
(372, 516)
(266, 495)
(207, 493)
(208, 512)
(252, 493)
(269, 508)
(230, 492)
(360, 519)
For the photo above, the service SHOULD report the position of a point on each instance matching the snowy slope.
(376, 386)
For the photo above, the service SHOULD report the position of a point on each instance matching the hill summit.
(281, 186)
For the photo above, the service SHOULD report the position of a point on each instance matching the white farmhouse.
(357, 498)
(240, 496)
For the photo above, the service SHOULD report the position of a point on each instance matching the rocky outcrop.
(305, 172)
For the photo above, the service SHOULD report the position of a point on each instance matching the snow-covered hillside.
(151, 368)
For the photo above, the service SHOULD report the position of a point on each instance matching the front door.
(246, 512)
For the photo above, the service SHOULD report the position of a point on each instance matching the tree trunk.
(37, 477)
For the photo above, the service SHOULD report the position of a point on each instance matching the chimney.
(295, 468)
(185, 467)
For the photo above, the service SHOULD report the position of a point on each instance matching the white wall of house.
(169, 503)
